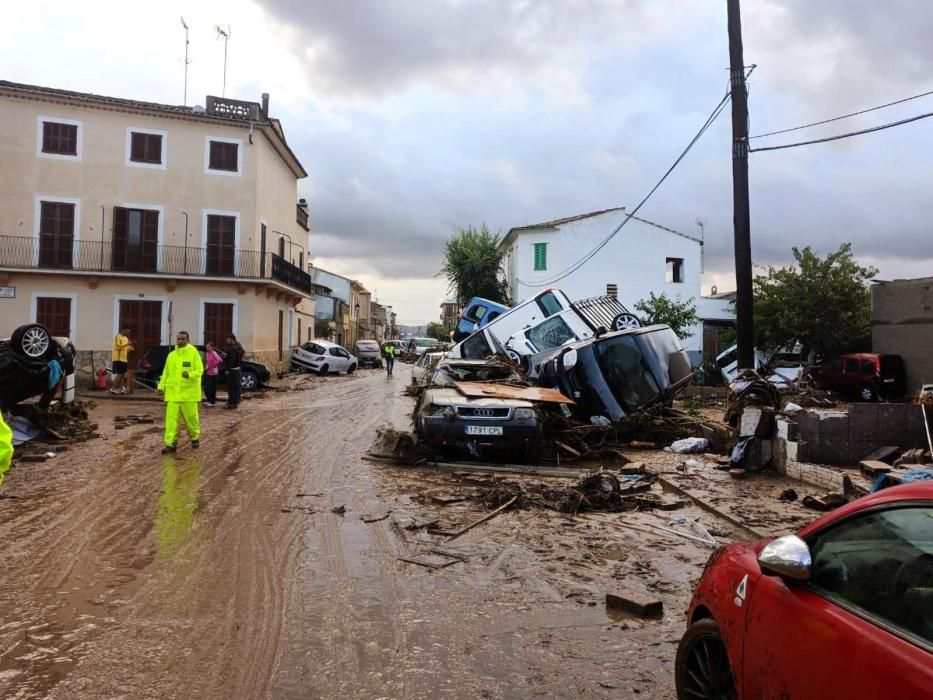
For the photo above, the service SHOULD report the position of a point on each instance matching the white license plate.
(483, 430)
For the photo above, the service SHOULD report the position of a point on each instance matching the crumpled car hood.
(443, 396)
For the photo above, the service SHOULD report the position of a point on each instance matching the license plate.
(483, 430)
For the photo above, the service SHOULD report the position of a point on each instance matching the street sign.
(7, 292)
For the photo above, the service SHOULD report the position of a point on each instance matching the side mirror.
(570, 359)
(787, 557)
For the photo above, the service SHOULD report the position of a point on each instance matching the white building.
(642, 258)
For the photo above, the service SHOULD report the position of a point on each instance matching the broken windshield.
(550, 334)
(447, 374)
(627, 372)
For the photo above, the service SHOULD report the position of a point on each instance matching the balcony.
(58, 253)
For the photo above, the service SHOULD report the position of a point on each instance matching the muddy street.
(266, 564)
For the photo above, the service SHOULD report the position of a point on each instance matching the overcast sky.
(417, 117)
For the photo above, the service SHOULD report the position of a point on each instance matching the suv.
(24, 365)
(150, 366)
(868, 376)
(618, 373)
(369, 353)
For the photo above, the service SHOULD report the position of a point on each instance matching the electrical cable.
(844, 116)
(880, 127)
(628, 216)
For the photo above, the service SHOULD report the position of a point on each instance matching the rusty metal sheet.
(505, 391)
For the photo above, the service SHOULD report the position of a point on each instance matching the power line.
(844, 116)
(573, 268)
(880, 127)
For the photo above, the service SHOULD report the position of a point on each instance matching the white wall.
(340, 286)
(634, 260)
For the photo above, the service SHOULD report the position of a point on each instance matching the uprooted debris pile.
(61, 422)
(750, 389)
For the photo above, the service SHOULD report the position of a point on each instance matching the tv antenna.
(701, 229)
(187, 61)
(225, 33)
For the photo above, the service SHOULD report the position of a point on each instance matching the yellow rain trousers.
(182, 395)
(6, 448)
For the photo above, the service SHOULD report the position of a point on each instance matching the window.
(868, 367)
(551, 333)
(540, 257)
(550, 304)
(60, 138)
(224, 155)
(56, 234)
(313, 348)
(850, 366)
(55, 314)
(627, 372)
(221, 244)
(880, 566)
(135, 239)
(612, 290)
(476, 347)
(146, 147)
(476, 313)
(337, 352)
(218, 323)
(675, 270)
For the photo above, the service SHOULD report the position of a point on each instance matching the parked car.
(617, 373)
(150, 366)
(322, 356)
(445, 417)
(24, 366)
(399, 345)
(425, 365)
(368, 353)
(475, 315)
(422, 345)
(842, 609)
(867, 376)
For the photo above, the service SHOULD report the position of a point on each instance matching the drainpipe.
(101, 237)
(185, 269)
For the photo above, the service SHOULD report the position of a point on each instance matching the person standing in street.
(389, 351)
(232, 359)
(121, 348)
(181, 384)
(212, 363)
(6, 448)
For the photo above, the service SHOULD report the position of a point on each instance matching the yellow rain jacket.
(173, 384)
(6, 448)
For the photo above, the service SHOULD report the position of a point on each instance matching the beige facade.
(106, 201)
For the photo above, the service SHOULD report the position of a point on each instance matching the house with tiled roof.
(581, 256)
(125, 213)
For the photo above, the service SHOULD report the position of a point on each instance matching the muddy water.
(225, 572)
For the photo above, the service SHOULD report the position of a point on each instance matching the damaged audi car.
(446, 417)
(615, 374)
(33, 363)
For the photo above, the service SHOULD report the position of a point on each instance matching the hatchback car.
(617, 373)
(424, 366)
(368, 353)
(865, 375)
(150, 366)
(25, 370)
(322, 356)
(842, 609)
(475, 315)
(447, 418)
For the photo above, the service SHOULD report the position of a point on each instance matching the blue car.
(477, 313)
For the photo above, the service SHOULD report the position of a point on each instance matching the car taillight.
(320, 359)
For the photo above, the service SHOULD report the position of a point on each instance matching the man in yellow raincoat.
(181, 383)
(6, 448)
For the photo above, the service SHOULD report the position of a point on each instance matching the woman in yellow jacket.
(6, 448)
(181, 384)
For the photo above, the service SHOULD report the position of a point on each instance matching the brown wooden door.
(135, 239)
(56, 234)
(221, 242)
(55, 314)
(218, 324)
(144, 319)
(281, 333)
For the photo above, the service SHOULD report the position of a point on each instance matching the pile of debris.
(61, 421)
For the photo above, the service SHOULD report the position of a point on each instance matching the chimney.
(265, 103)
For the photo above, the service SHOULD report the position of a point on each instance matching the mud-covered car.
(26, 366)
(445, 417)
(614, 374)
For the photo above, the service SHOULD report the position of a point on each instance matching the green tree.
(822, 303)
(473, 265)
(679, 314)
(437, 331)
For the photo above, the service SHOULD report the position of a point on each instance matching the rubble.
(61, 421)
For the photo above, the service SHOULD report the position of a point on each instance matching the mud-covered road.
(226, 573)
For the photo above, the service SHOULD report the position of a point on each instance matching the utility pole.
(741, 219)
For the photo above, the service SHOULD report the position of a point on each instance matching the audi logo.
(483, 412)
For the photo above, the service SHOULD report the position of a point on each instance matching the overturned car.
(615, 374)
(33, 363)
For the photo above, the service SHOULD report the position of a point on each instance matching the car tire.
(702, 669)
(33, 341)
(351, 369)
(249, 381)
(323, 371)
(868, 393)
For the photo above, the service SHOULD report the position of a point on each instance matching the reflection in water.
(177, 504)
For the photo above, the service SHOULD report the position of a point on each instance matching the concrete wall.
(902, 324)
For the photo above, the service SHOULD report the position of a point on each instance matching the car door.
(862, 626)
(337, 359)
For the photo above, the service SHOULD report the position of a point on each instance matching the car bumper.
(369, 362)
(304, 363)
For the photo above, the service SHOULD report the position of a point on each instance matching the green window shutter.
(540, 256)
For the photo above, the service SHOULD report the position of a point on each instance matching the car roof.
(915, 491)
(323, 343)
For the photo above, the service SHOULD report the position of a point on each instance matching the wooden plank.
(505, 391)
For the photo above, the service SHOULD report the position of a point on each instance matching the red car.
(865, 375)
(842, 609)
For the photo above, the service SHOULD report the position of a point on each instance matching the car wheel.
(323, 371)
(624, 322)
(351, 369)
(249, 381)
(33, 341)
(868, 393)
(701, 669)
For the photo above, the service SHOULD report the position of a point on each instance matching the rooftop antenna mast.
(187, 61)
(225, 33)
(701, 228)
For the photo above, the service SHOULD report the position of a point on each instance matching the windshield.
(550, 334)
(447, 374)
(425, 342)
(627, 372)
(313, 347)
